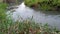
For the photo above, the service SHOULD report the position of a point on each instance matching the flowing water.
(50, 17)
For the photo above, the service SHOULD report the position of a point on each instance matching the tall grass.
(25, 27)
(2, 11)
(44, 4)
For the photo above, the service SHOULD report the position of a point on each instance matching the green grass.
(25, 27)
(44, 4)
(2, 10)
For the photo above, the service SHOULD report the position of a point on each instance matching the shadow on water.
(51, 12)
(47, 12)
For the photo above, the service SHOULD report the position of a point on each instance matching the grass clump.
(26, 27)
(3, 11)
(44, 4)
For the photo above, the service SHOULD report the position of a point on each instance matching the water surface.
(50, 17)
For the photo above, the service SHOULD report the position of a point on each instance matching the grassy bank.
(44, 4)
(3, 11)
(26, 27)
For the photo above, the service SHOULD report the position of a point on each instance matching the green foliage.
(3, 5)
(25, 27)
(2, 10)
(44, 4)
(31, 2)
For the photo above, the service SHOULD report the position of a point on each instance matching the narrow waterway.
(50, 17)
